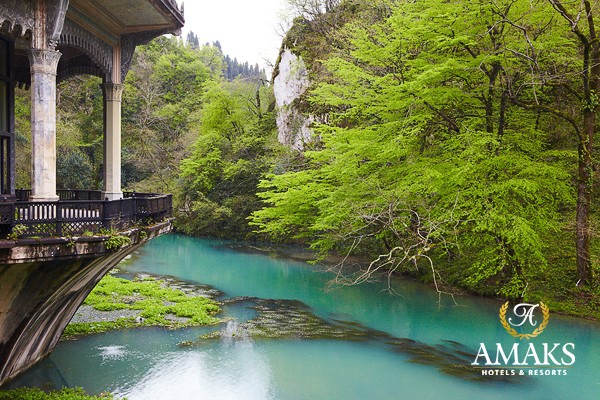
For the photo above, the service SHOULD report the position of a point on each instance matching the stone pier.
(43, 282)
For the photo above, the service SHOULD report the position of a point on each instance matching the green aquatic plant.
(292, 319)
(17, 232)
(154, 301)
(38, 394)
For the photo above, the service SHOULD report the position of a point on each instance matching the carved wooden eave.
(17, 19)
(96, 37)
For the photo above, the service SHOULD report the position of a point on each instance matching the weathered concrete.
(112, 140)
(43, 64)
(43, 283)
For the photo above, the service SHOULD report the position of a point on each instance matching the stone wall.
(43, 283)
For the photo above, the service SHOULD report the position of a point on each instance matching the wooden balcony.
(81, 212)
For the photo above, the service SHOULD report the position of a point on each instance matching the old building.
(43, 281)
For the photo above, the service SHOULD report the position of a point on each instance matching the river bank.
(556, 286)
(122, 301)
(63, 394)
(290, 335)
(151, 300)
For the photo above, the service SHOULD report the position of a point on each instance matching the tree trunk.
(585, 181)
(584, 197)
(591, 92)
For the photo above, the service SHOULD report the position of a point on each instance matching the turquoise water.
(148, 364)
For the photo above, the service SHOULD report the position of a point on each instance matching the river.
(342, 343)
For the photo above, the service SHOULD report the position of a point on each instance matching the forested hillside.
(455, 142)
(192, 126)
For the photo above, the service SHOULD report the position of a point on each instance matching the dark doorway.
(7, 120)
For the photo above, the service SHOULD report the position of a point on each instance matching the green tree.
(232, 152)
(426, 154)
(584, 84)
(80, 132)
(561, 58)
(22, 139)
(192, 40)
(73, 170)
(162, 99)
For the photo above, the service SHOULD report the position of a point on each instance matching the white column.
(43, 124)
(112, 140)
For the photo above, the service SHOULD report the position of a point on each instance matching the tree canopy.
(453, 141)
(448, 138)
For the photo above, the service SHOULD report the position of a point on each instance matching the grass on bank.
(38, 394)
(555, 284)
(157, 303)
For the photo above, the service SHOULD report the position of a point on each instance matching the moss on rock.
(155, 302)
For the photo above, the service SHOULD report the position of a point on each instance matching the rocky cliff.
(289, 84)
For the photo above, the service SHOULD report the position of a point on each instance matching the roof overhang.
(95, 37)
(111, 19)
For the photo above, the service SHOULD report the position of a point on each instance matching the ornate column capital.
(43, 61)
(112, 91)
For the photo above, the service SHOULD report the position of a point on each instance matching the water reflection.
(399, 345)
(238, 371)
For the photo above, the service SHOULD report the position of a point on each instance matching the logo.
(525, 312)
(524, 322)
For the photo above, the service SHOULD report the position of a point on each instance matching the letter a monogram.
(525, 312)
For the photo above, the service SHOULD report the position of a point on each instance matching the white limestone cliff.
(290, 83)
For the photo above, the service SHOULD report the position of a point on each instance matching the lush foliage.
(180, 102)
(455, 140)
(38, 394)
(165, 93)
(440, 148)
(162, 97)
(115, 242)
(232, 152)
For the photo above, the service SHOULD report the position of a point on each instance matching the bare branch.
(573, 21)
(413, 232)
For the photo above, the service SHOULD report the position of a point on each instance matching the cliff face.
(290, 83)
(308, 42)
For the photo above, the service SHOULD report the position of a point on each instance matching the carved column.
(112, 140)
(43, 123)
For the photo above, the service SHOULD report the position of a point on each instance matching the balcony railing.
(81, 212)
